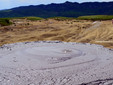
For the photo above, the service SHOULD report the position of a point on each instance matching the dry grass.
(69, 31)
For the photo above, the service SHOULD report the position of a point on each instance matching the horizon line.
(59, 3)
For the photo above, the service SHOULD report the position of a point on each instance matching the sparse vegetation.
(96, 17)
(5, 21)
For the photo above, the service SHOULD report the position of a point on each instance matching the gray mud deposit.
(55, 63)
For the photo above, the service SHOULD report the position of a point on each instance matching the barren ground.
(99, 32)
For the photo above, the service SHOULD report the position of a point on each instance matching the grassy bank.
(62, 18)
(33, 18)
(7, 21)
(28, 18)
(96, 17)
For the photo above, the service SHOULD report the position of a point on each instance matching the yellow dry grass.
(69, 31)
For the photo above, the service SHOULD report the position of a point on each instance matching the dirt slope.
(99, 32)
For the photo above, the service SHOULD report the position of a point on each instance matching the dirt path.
(95, 24)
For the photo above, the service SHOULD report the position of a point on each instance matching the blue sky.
(6, 4)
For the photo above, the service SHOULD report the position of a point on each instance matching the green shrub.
(5, 22)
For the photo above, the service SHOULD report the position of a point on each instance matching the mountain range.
(67, 9)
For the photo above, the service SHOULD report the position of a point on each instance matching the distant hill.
(67, 9)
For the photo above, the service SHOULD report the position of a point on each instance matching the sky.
(6, 4)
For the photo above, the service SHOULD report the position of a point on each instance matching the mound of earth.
(55, 63)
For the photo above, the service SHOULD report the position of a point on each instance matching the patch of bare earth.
(99, 32)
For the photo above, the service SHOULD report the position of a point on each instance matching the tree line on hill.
(67, 9)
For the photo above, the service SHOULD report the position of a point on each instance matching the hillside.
(67, 9)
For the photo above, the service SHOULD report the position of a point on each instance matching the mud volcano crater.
(51, 54)
(55, 63)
